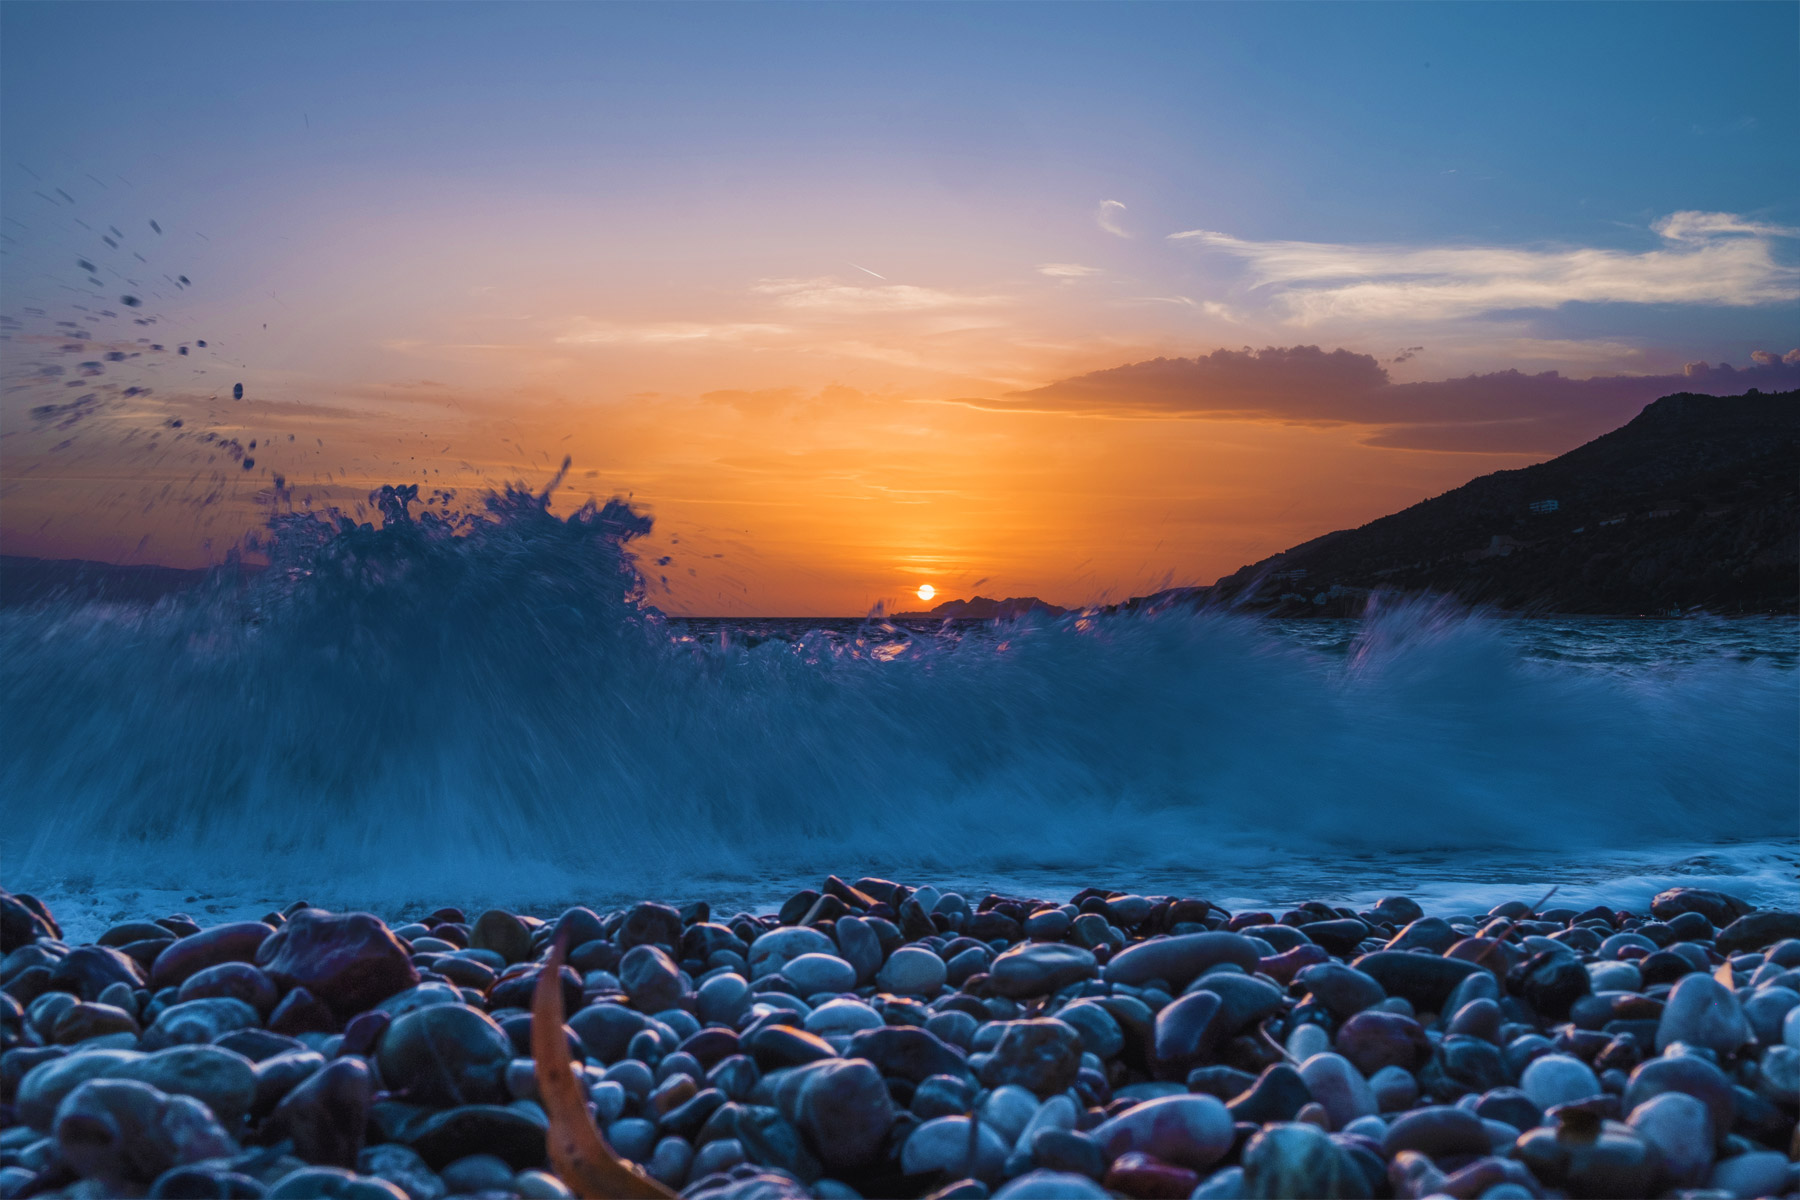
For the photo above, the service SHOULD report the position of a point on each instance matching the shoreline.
(870, 1039)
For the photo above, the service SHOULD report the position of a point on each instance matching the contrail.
(883, 278)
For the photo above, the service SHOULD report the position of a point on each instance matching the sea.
(488, 712)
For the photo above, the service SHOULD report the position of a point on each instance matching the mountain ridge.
(1692, 504)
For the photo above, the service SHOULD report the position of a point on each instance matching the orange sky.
(817, 287)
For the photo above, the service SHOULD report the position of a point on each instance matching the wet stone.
(1373, 1040)
(908, 1053)
(1341, 989)
(911, 971)
(198, 1021)
(221, 1079)
(1296, 1160)
(1554, 1079)
(1424, 980)
(1702, 1012)
(446, 1055)
(1278, 1095)
(1038, 969)
(327, 1114)
(1462, 1065)
(349, 960)
(236, 980)
(651, 978)
(1042, 1056)
(1178, 960)
(120, 1131)
(1190, 1131)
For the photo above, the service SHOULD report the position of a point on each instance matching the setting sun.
(926, 591)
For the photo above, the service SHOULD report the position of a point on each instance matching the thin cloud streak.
(830, 295)
(668, 333)
(1715, 259)
(1107, 217)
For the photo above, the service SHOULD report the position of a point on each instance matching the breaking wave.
(442, 708)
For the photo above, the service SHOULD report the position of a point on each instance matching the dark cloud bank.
(1498, 412)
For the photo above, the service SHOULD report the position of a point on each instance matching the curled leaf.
(578, 1151)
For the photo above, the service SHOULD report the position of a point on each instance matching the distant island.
(983, 609)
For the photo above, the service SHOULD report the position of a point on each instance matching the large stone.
(1099, 1029)
(505, 1132)
(770, 952)
(222, 1080)
(1190, 1131)
(1758, 1173)
(446, 1055)
(1178, 960)
(1343, 990)
(1702, 1012)
(82, 1021)
(1338, 1086)
(651, 924)
(1439, 1131)
(1690, 1075)
(120, 1132)
(651, 978)
(1766, 1009)
(1278, 1095)
(1037, 969)
(1298, 1160)
(1756, 930)
(1681, 1129)
(912, 971)
(1589, 1157)
(401, 1166)
(503, 933)
(236, 942)
(327, 1114)
(1042, 1056)
(46, 1084)
(1051, 1185)
(1186, 1034)
(198, 1021)
(1550, 982)
(860, 947)
(1372, 1040)
(89, 970)
(812, 974)
(1553, 1079)
(236, 980)
(1424, 980)
(1717, 907)
(349, 960)
(949, 1148)
(908, 1052)
(1461, 1065)
(845, 1112)
(1424, 933)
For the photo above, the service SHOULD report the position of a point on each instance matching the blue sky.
(533, 210)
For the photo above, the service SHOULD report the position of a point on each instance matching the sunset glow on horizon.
(1074, 302)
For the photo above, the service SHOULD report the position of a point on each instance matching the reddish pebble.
(1147, 1178)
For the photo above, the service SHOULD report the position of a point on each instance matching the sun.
(926, 591)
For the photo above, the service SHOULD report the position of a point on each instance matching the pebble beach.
(876, 1040)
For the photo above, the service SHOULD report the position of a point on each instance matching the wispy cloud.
(1067, 270)
(1107, 217)
(667, 333)
(1707, 259)
(833, 296)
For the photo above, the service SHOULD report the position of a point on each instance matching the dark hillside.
(1693, 504)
